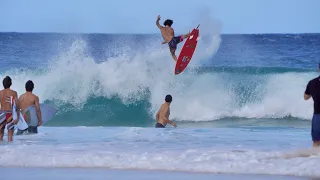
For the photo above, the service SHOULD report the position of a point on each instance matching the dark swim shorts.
(315, 129)
(174, 41)
(159, 125)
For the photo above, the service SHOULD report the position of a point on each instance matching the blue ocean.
(238, 106)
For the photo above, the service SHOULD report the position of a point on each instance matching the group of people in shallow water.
(24, 101)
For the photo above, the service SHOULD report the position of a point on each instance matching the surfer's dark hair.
(7, 82)
(168, 98)
(29, 86)
(168, 22)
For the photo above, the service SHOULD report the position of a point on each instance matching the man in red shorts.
(6, 109)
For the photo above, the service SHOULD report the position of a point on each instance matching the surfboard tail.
(22, 125)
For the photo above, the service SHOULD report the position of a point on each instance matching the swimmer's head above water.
(168, 98)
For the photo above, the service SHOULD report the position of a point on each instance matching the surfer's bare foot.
(186, 35)
(174, 58)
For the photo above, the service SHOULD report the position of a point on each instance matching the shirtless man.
(6, 116)
(27, 99)
(167, 33)
(163, 114)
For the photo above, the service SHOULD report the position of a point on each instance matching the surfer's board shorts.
(174, 41)
(6, 119)
(315, 127)
(159, 125)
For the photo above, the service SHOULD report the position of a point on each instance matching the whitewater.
(238, 106)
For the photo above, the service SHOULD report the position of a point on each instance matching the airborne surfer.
(167, 33)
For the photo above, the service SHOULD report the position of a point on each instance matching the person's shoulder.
(163, 106)
(315, 80)
(13, 91)
(35, 96)
(22, 95)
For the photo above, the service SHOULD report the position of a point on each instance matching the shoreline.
(40, 173)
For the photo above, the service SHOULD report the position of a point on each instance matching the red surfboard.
(187, 51)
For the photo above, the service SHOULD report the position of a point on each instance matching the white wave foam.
(250, 162)
(192, 150)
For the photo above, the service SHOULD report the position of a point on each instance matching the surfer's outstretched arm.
(157, 22)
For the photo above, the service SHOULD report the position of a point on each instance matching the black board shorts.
(159, 125)
(174, 41)
(315, 127)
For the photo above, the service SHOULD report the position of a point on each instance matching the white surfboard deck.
(22, 125)
(47, 113)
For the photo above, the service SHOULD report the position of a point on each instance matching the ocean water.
(238, 106)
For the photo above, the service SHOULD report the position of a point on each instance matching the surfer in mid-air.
(167, 33)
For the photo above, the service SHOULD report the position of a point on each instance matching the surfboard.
(47, 113)
(187, 51)
(22, 125)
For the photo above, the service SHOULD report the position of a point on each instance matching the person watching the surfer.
(313, 90)
(167, 33)
(6, 118)
(27, 99)
(163, 114)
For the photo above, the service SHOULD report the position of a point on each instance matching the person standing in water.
(313, 90)
(163, 114)
(6, 118)
(27, 99)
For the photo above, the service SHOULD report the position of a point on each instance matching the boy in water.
(167, 33)
(6, 118)
(163, 114)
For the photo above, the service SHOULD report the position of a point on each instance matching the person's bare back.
(28, 98)
(4, 97)
(163, 114)
(167, 34)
